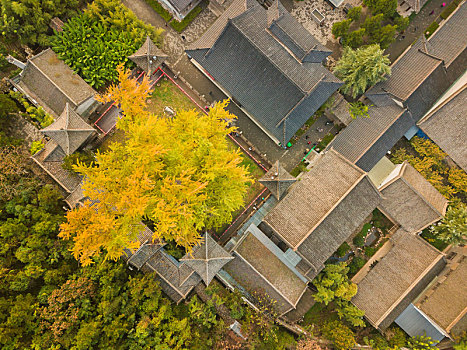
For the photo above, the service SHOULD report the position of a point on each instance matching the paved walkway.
(416, 27)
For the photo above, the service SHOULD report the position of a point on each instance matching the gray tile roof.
(315, 196)
(48, 160)
(148, 57)
(399, 272)
(207, 258)
(448, 300)
(447, 126)
(49, 81)
(366, 140)
(69, 130)
(277, 180)
(411, 200)
(258, 269)
(261, 74)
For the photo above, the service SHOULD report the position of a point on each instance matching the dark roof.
(257, 268)
(50, 82)
(446, 302)
(387, 284)
(69, 130)
(313, 198)
(406, 189)
(148, 57)
(446, 125)
(50, 159)
(363, 133)
(277, 180)
(207, 258)
(263, 76)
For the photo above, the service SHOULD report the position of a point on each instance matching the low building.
(446, 125)
(269, 65)
(179, 8)
(321, 211)
(148, 57)
(410, 200)
(397, 278)
(47, 81)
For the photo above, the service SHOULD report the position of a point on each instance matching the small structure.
(207, 258)
(446, 125)
(179, 8)
(69, 131)
(410, 200)
(49, 82)
(406, 7)
(339, 112)
(148, 57)
(261, 267)
(397, 279)
(318, 16)
(277, 180)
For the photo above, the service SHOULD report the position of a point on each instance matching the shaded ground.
(416, 27)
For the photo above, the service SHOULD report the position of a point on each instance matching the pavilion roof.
(207, 258)
(277, 180)
(148, 57)
(69, 131)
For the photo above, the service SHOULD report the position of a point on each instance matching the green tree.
(401, 23)
(355, 39)
(358, 110)
(372, 24)
(453, 227)
(421, 342)
(340, 29)
(180, 173)
(355, 13)
(86, 158)
(341, 336)
(384, 36)
(362, 68)
(7, 107)
(386, 7)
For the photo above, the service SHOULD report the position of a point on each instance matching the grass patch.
(431, 29)
(180, 26)
(166, 15)
(433, 240)
(168, 94)
(324, 142)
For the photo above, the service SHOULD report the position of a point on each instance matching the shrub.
(355, 13)
(72, 159)
(36, 114)
(396, 337)
(166, 15)
(359, 240)
(324, 142)
(341, 28)
(401, 23)
(7, 107)
(180, 26)
(356, 264)
(36, 146)
(448, 10)
(342, 336)
(370, 251)
(342, 250)
(431, 29)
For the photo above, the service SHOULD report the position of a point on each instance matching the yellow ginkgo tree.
(179, 173)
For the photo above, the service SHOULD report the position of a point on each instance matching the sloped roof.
(363, 133)
(399, 272)
(69, 130)
(411, 200)
(49, 81)
(263, 75)
(277, 180)
(257, 268)
(148, 57)
(207, 258)
(50, 159)
(314, 197)
(447, 303)
(447, 126)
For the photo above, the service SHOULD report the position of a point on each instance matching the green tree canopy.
(453, 227)
(341, 28)
(386, 7)
(181, 174)
(362, 68)
(358, 110)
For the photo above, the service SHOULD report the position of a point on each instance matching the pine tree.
(362, 68)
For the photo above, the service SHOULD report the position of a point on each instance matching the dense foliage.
(362, 68)
(179, 173)
(94, 43)
(28, 20)
(453, 227)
